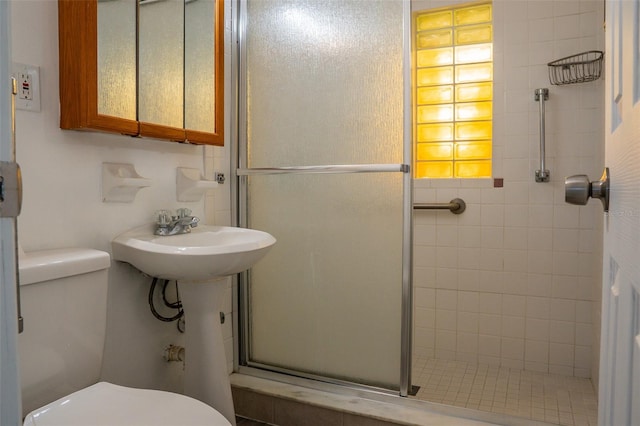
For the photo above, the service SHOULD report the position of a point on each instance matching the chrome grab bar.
(346, 168)
(456, 206)
(542, 175)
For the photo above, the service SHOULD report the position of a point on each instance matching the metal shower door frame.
(240, 171)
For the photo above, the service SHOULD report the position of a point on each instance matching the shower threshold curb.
(378, 406)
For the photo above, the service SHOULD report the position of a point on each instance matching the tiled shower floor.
(537, 396)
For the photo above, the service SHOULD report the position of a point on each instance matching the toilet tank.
(64, 305)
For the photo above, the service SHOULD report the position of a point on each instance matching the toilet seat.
(106, 404)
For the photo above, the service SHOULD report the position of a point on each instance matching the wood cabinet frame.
(78, 45)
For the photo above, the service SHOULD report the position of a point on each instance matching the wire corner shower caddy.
(578, 68)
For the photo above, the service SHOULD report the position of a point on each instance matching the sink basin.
(199, 261)
(207, 252)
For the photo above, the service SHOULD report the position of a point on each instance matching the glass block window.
(454, 92)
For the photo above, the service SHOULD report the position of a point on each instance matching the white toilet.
(64, 303)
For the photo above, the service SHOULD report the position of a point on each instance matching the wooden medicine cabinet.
(150, 68)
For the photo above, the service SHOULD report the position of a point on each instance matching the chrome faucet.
(180, 223)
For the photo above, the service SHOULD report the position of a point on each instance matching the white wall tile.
(424, 317)
(562, 309)
(564, 286)
(561, 354)
(515, 238)
(516, 215)
(512, 348)
(468, 301)
(537, 329)
(446, 320)
(539, 284)
(447, 257)
(515, 261)
(562, 332)
(566, 7)
(446, 278)
(490, 324)
(582, 357)
(492, 215)
(525, 260)
(491, 259)
(537, 351)
(538, 307)
(541, 30)
(467, 343)
(584, 334)
(490, 303)
(424, 297)
(470, 236)
(565, 263)
(513, 327)
(489, 345)
(468, 280)
(469, 258)
(540, 9)
(446, 299)
(566, 27)
(540, 261)
(491, 281)
(513, 305)
(565, 240)
(516, 283)
(445, 340)
(492, 237)
(583, 311)
(468, 322)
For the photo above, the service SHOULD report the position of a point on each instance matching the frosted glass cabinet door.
(199, 65)
(161, 63)
(324, 87)
(117, 58)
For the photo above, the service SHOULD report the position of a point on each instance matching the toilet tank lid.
(45, 265)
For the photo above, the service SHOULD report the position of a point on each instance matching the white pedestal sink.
(199, 261)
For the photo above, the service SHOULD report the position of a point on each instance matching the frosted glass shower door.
(322, 169)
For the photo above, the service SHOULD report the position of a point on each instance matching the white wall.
(63, 202)
(515, 280)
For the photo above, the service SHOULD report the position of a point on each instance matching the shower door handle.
(578, 189)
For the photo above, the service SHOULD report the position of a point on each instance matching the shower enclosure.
(324, 147)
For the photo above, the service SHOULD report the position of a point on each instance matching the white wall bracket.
(121, 183)
(191, 185)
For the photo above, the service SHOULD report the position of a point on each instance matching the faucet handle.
(163, 217)
(183, 212)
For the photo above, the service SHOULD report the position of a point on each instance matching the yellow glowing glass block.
(474, 34)
(434, 76)
(474, 53)
(480, 150)
(435, 113)
(435, 57)
(438, 38)
(472, 15)
(473, 130)
(474, 111)
(435, 132)
(475, 72)
(435, 151)
(434, 95)
(474, 92)
(434, 20)
(473, 169)
(434, 169)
